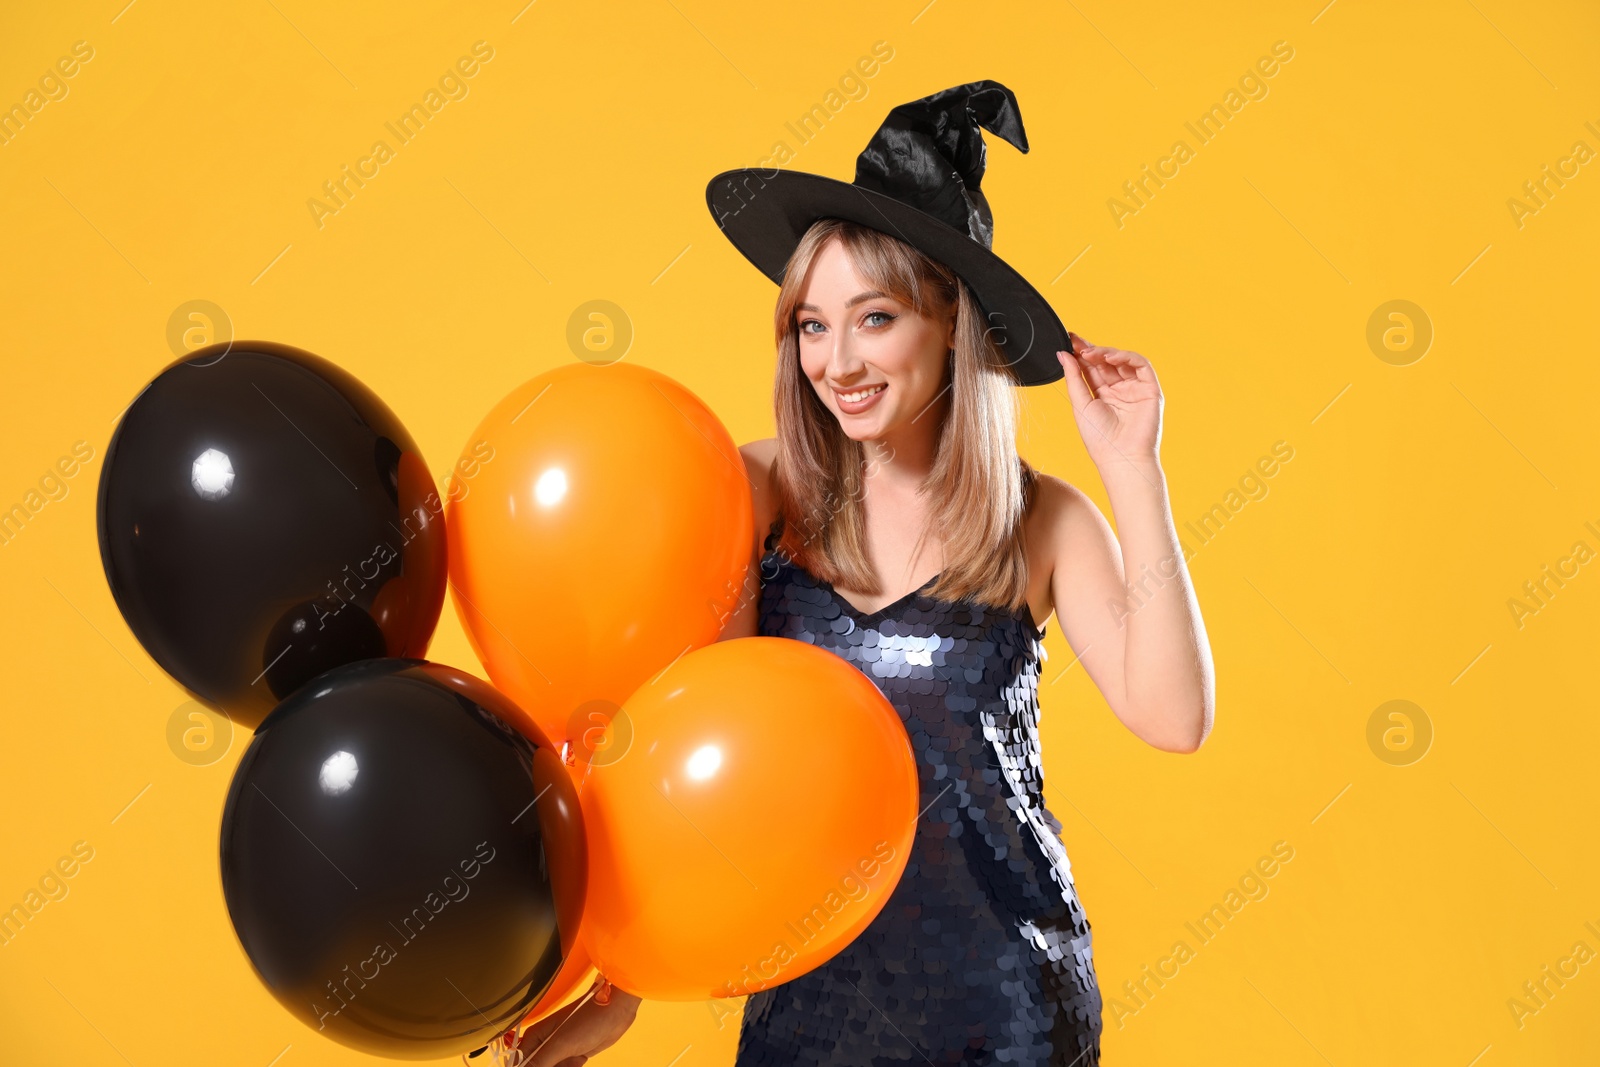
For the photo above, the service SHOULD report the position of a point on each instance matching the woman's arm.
(1129, 611)
(744, 619)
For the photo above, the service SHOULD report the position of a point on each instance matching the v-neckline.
(1024, 614)
(875, 616)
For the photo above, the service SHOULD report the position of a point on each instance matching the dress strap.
(773, 533)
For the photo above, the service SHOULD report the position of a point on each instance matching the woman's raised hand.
(1120, 419)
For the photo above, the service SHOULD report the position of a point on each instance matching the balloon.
(609, 532)
(570, 983)
(405, 871)
(263, 517)
(576, 975)
(757, 823)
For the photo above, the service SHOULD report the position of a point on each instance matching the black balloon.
(404, 869)
(264, 517)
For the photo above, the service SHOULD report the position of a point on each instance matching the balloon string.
(520, 1055)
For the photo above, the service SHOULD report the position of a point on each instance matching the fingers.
(616, 1035)
(547, 1025)
(1101, 354)
(553, 1052)
(1092, 365)
(550, 1040)
(1077, 389)
(1093, 372)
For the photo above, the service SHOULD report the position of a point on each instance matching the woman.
(899, 529)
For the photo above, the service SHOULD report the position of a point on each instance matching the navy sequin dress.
(982, 954)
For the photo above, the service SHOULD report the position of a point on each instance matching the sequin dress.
(982, 954)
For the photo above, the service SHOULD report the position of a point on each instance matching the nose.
(844, 365)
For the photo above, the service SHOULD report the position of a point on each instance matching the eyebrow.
(871, 294)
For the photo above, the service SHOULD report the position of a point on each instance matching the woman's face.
(876, 363)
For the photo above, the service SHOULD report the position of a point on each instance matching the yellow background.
(1378, 566)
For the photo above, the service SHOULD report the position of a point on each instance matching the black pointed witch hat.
(918, 179)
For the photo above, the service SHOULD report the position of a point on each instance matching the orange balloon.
(600, 525)
(757, 823)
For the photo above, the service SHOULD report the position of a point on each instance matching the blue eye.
(883, 314)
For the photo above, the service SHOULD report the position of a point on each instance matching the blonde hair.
(979, 489)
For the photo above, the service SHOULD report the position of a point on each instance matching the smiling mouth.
(860, 394)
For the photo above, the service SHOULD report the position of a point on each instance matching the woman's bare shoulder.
(1056, 492)
(760, 453)
(758, 457)
(1063, 513)
(1065, 533)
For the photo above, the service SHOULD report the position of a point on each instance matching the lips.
(856, 407)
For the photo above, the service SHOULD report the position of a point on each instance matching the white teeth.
(851, 398)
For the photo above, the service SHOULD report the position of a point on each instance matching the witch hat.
(918, 179)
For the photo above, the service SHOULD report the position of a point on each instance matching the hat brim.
(765, 213)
